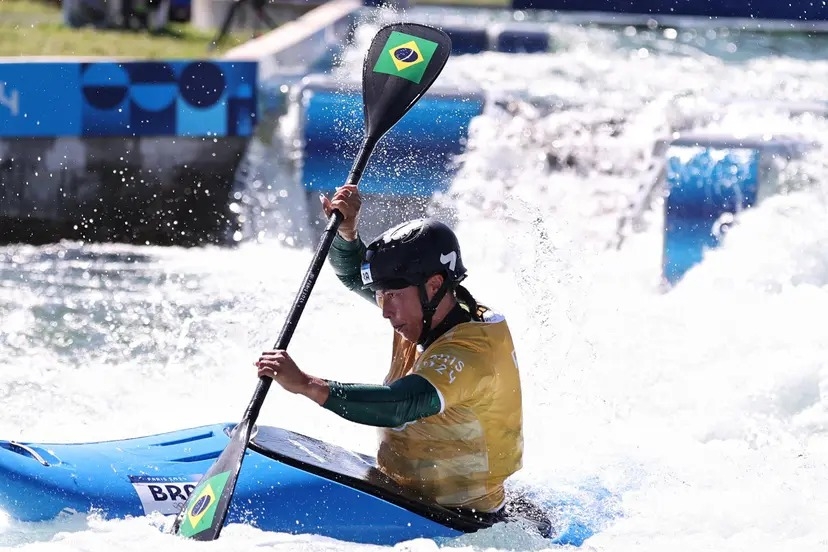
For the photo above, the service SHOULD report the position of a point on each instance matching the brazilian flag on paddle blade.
(200, 515)
(405, 56)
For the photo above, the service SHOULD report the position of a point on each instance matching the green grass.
(35, 28)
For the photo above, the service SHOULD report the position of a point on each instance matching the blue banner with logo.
(148, 98)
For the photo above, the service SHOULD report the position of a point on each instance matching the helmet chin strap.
(430, 307)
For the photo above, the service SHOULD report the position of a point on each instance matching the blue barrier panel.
(708, 182)
(517, 40)
(175, 98)
(801, 10)
(415, 158)
(703, 185)
(466, 39)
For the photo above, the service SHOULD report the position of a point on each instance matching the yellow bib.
(461, 456)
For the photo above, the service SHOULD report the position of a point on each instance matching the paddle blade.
(402, 63)
(203, 515)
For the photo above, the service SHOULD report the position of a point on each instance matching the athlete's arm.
(345, 258)
(405, 400)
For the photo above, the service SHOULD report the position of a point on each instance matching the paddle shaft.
(312, 274)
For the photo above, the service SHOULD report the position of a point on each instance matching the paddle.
(402, 62)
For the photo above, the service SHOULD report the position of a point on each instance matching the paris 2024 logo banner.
(177, 98)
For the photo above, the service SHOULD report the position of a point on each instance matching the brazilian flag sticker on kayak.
(405, 56)
(200, 515)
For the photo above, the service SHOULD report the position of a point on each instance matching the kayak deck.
(361, 472)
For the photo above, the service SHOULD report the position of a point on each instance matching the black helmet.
(410, 253)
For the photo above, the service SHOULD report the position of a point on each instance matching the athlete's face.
(402, 308)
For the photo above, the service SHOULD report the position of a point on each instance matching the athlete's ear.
(433, 284)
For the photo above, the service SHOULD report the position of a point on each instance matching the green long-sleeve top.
(405, 400)
(346, 259)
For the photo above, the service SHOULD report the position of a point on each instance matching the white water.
(703, 409)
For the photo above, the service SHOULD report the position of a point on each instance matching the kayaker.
(450, 407)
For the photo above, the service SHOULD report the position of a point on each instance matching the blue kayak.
(288, 483)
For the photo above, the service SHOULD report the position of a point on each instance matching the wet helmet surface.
(408, 254)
